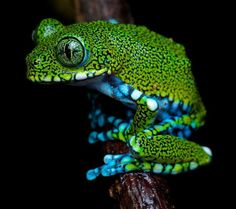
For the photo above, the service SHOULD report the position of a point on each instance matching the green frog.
(148, 72)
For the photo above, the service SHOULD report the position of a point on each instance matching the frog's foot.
(117, 133)
(113, 164)
(125, 163)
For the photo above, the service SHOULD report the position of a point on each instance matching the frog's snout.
(31, 63)
(42, 67)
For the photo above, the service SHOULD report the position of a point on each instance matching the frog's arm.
(145, 115)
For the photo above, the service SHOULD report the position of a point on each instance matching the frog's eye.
(70, 52)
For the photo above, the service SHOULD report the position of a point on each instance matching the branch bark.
(89, 10)
(132, 190)
(138, 190)
(141, 190)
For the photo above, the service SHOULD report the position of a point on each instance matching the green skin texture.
(161, 69)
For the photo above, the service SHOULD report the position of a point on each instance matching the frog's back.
(156, 65)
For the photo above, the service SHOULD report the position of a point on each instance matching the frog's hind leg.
(151, 151)
(168, 149)
(161, 154)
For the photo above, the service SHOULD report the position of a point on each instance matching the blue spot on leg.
(101, 120)
(187, 132)
(92, 137)
(113, 20)
(100, 136)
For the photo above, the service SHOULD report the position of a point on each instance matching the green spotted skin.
(167, 69)
(159, 150)
(161, 66)
(127, 48)
(138, 67)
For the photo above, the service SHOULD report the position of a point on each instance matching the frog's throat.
(66, 76)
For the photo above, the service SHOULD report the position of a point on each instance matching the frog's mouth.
(74, 78)
(89, 76)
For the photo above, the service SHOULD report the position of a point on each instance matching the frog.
(149, 73)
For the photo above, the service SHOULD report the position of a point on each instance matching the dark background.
(48, 126)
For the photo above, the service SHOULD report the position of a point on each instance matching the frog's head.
(63, 53)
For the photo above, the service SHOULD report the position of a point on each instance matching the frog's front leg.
(145, 115)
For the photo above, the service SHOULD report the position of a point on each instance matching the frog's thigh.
(168, 149)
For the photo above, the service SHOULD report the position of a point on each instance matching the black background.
(47, 125)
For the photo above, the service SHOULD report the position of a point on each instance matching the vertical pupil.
(68, 51)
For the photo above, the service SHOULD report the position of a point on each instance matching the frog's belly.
(118, 90)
